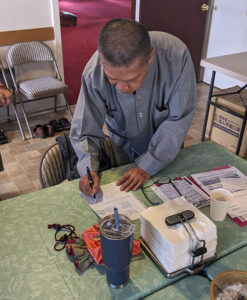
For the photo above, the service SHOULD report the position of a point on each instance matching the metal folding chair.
(35, 75)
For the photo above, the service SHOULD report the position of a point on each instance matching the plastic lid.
(108, 229)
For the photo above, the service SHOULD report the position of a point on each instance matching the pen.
(90, 179)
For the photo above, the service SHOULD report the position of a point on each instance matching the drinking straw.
(116, 218)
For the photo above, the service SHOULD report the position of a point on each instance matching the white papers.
(212, 179)
(234, 184)
(109, 197)
(165, 191)
(238, 206)
(186, 188)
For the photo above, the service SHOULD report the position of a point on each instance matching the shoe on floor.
(64, 123)
(39, 131)
(49, 130)
(56, 125)
(3, 138)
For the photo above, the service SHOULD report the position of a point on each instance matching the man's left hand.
(132, 179)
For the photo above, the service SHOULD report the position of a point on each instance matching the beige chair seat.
(42, 87)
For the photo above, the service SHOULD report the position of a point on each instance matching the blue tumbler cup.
(116, 246)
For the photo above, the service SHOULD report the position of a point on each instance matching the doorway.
(80, 42)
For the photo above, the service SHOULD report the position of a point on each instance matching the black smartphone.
(175, 219)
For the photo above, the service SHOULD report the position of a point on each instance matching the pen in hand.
(90, 179)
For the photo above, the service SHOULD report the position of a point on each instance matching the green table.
(236, 260)
(30, 268)
(192, 287)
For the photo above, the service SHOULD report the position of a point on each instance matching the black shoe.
(64, 123)
(56, 125)
(3, 138)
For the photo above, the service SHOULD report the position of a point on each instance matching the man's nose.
(122, 86)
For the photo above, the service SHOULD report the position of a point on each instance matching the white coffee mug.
(219, 203)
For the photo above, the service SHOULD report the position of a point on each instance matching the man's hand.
(5, 95)
(132, 179)
(84, 185)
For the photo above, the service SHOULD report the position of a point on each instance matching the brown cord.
(65, 237)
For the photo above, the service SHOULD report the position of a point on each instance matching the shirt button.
(138, 96)
(140, 114)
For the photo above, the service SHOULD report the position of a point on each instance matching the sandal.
(3, 138)
(56, 125)
(64, 123)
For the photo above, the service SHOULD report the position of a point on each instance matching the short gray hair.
(122, 41)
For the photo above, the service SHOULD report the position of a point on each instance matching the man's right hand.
(84, 185)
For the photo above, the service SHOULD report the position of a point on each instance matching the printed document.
(186, 188)
(212, 179)
(109, 197)
(234, 184)
(238, 206)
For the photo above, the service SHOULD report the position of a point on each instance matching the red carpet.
(80, 42)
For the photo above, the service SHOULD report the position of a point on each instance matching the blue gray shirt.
(147, 127)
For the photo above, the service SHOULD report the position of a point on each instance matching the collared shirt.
(147, 127)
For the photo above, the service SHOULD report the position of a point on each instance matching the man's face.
(127, 79)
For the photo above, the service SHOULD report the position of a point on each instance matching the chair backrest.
(31, 60)
(21, 53)
(52, 167)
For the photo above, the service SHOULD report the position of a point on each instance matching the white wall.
(228, 34)
(29, 14)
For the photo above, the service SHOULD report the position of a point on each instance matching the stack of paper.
(172, 245)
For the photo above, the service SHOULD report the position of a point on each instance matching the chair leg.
(8, 114)
(55, 103)
(68, 106)
(19, 123)
(25, 117)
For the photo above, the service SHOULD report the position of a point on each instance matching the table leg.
(241, 132)
(208, 106)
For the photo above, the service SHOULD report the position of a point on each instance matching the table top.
(233, 65)
(185, 289)
(31, 267)
(236, 260)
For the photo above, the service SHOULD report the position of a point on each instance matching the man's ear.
(151, 56)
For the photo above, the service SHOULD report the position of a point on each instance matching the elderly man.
(5, 96)
(142, 85)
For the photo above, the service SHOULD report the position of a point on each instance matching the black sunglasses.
(148, 183)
